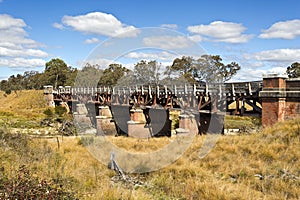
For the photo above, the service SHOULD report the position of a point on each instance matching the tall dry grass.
(257, 166)
(264, 165)
(28, 104)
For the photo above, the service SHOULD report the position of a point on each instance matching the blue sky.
(262, 36)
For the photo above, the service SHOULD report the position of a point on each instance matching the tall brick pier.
(280, 98)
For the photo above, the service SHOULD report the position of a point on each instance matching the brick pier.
(280, 99)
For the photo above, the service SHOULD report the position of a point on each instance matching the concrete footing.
(138, 130)
(187, 125)
(81, 118)
(105, 126)
(137, 125)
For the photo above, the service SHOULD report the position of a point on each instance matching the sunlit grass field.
(261, 165)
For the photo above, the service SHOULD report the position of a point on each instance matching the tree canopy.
(57, 73)
(293, 71)
(88, 76)
(112, 74)
(147, 72)
(207, 68)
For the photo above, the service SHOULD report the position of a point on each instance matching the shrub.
(49, 113)
(17, 141)
(8, 91)
(60, 111)
(25, 186)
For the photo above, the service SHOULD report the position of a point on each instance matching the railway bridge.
(135, 108)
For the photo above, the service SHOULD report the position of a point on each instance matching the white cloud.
(219, 31)
(168, 42)
(92, 41)
(250, 74)
(265, 62)
(284, 29)
(238, 39)
(7, 22)
(101, 24)
(58, 26)
(170, 26)
(164, 55)
(276, 55)
(101, 63)
(8, 52)
(196, 38)
(16, 48)
(247, 74)
(276, 70)
(22, 62)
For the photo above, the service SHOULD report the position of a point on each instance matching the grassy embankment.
(23, 109)
(262, 165)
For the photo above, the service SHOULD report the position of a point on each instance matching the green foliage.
(4, 85)
(183, 68)
(293, 71)
(147, 72)
(208, 68)
(89, 76)
(49, 113)
(7, 91)
(112, 74)
(144, 73)
(59, 115)
(60, 111)
(57, 72)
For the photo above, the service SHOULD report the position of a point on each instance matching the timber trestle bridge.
(144, 110)
(134, 108)
(200, 97)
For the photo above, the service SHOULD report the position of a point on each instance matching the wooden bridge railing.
(230, 89)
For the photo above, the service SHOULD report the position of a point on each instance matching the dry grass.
(22, 109)
(264, 165)
(140, 145)
(258, 166)
(28, 104)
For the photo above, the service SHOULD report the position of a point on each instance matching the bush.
(8, 91)
(49, 113)
(60, 111)
(17, 141)
(25, 186)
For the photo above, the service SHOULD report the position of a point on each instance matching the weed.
(25, 186)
